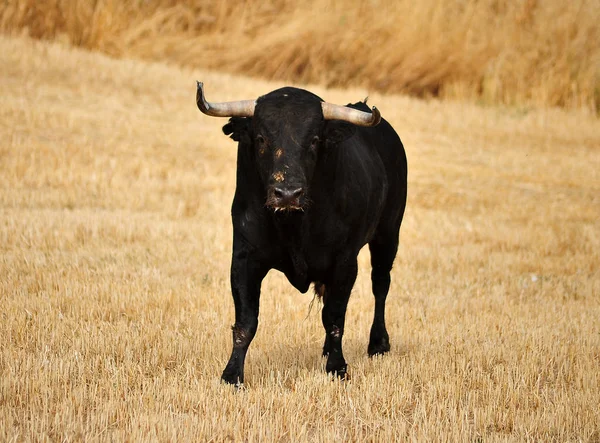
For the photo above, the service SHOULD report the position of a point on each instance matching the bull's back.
(384, 139)
(367, 173)
(387, 142)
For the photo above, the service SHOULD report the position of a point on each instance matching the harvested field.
(114, 266)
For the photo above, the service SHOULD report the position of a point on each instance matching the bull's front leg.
(334, 314)
(246, 279)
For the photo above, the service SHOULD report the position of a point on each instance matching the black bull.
(315, 183)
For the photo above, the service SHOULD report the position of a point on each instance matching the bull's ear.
(239, 129)
(337, 131)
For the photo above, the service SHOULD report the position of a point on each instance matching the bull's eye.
(261, 144)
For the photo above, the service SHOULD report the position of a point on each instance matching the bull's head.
(285, 130)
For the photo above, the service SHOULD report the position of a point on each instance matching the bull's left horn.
(242, 108)
(350, 115)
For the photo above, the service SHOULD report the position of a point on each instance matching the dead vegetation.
(544, 53)
(115, 242)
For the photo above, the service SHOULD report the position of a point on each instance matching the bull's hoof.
(239, 386)
(339, 370)
(232, 377)
(378, 346)
(340, 374)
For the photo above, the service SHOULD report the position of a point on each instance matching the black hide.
(310, 194)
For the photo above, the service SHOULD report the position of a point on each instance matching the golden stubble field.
(114, 271)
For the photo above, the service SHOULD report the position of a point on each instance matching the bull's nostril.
(288, 196)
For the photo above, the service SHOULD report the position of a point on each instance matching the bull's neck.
(292, 231)
(290, 227)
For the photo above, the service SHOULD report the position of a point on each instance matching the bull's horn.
(354, 116)
(242, 108)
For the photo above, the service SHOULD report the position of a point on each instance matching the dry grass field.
(114, 266)
(542, 52)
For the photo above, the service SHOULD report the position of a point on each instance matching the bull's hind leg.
(383, 251)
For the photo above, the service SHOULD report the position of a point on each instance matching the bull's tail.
(319, 289)
(320, 295)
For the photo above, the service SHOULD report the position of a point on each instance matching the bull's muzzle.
(286, 198)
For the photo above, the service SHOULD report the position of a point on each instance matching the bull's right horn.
(242, 108)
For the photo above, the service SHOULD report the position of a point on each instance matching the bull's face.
(286, 141)
(285, 132)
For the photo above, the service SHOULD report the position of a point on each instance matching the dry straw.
(115, 243)
(527, 52)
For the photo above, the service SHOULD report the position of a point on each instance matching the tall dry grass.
(115, 242)
(497, 51)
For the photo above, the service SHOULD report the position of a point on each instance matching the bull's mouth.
(288, 208)
(277, 207)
